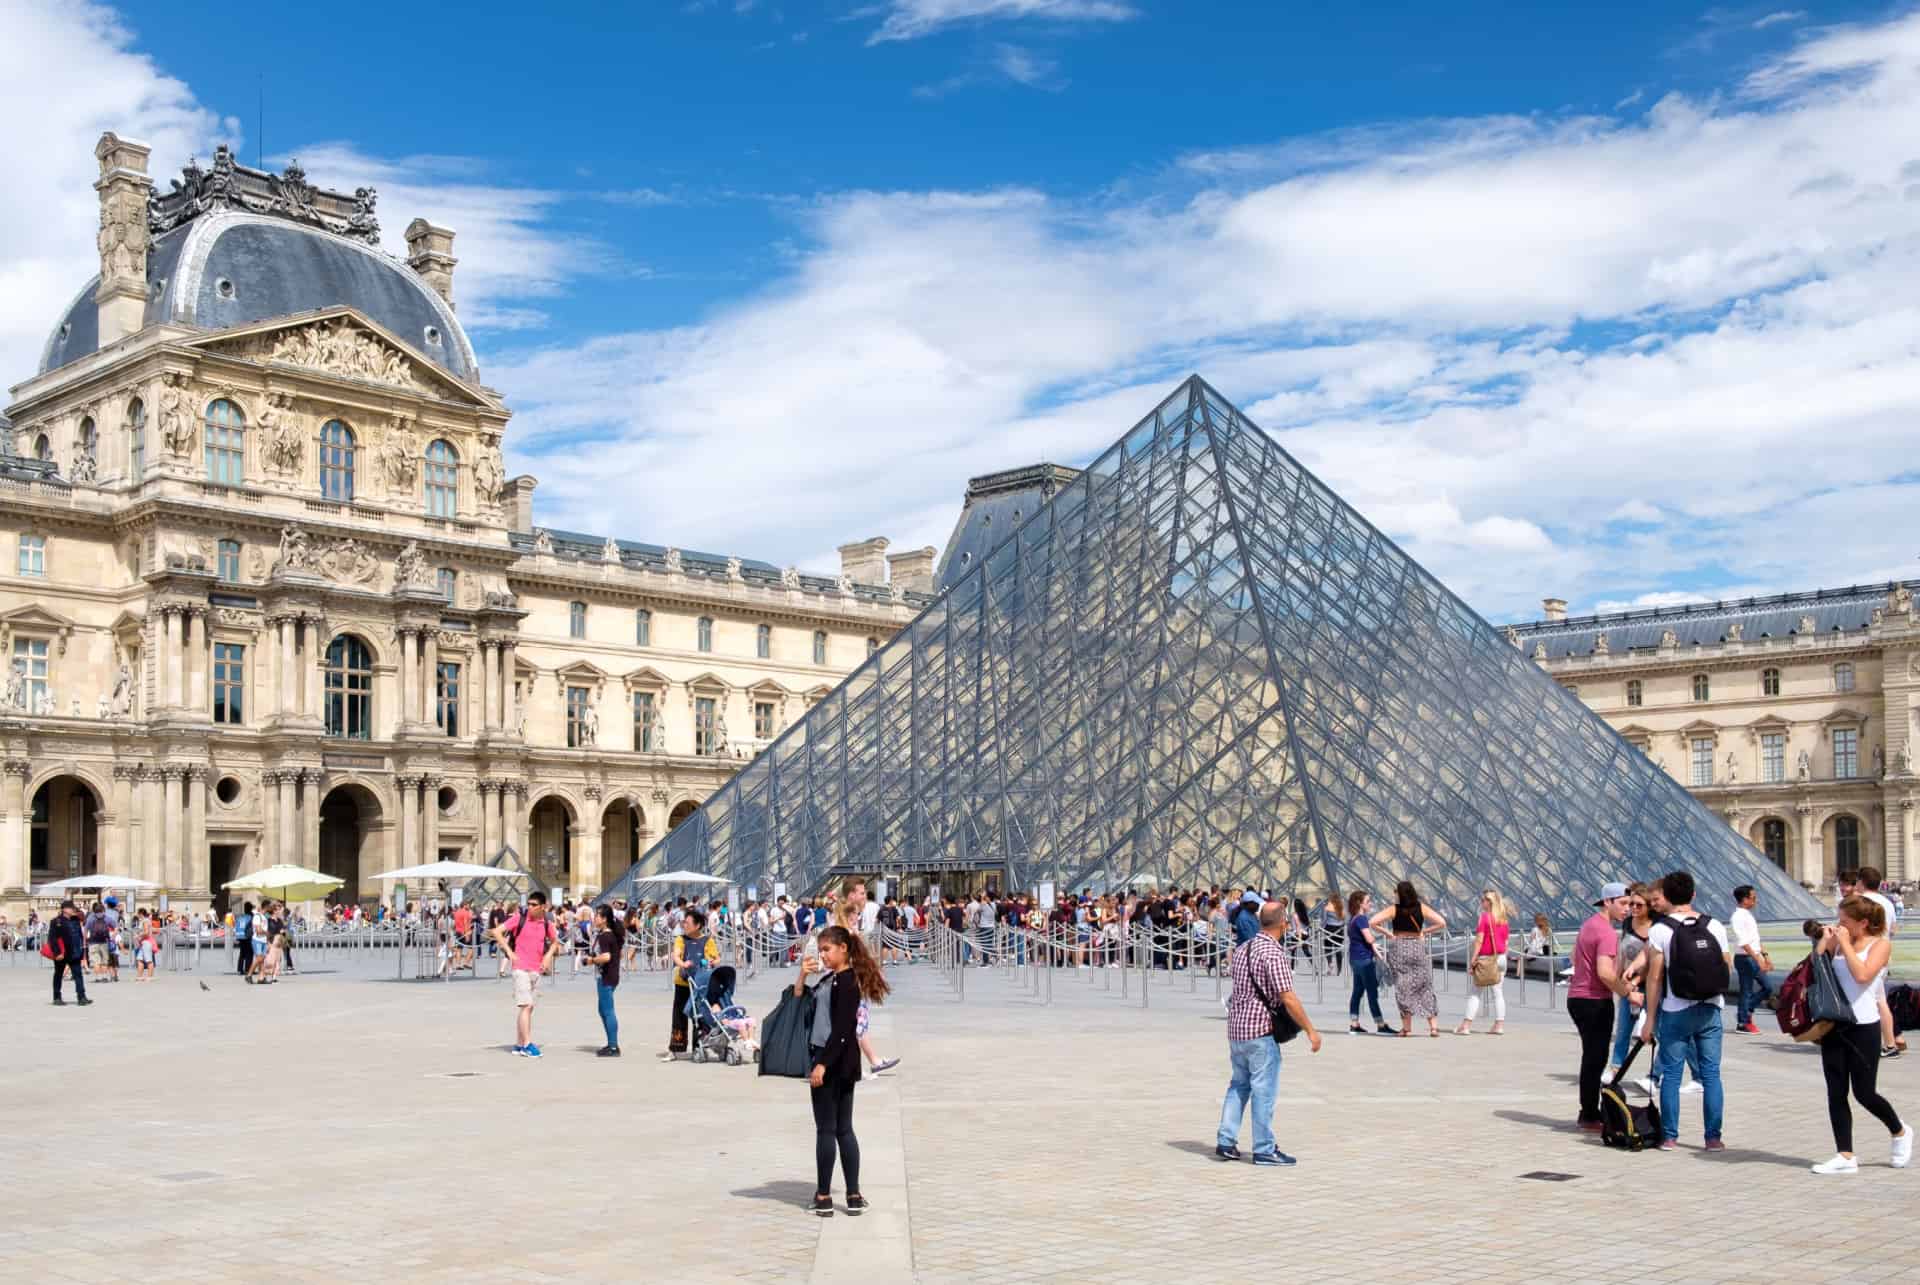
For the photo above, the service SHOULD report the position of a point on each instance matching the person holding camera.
(1262, 982)
(1850, 1052)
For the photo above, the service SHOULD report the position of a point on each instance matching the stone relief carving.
(349, 560)
(502, 601)
(674, 565)
(1808, 624)
(610, 551)
(733, 569)
(1734, 631)
(335, 348)
(411, 570)
(844, 584)
(295, 553)
(122, 244)
(790, 577)
(489, 474)
(399, 456)
(1900, 601)
(17, 685)
(1539, 651)
(1668, 638)
(176, 422)
(543, 541)
(281, 445)
(1600, 645)
(1803, 768)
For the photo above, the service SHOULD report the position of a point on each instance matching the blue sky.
(1614, 304)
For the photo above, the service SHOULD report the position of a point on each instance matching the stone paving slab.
(344, 1127)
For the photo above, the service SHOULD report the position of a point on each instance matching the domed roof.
(229, 267)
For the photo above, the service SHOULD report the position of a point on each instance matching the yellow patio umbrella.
(287, 883)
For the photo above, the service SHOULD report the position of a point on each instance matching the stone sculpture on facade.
(1803, 769)
(1734, 631)
(17, 685)
(1539, 651)
(1879, 761)
(1600, 645)
(399, 457)
(349, 560)
(1903, 762)
(1733, 769)
(85, 461)
(844, 583)
(1900, 601)
(1513, 636)
(489, 477)
(1669, 639)
(1807, 625)
(589, 725)
(674, 565)
(610, 551)
(120, 703)
(733, 569)
(790, 577)
(176, 424)
(296, 554)
(281, 445)
(411, 570)
(543, 541)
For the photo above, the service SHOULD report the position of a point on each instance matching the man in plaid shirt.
(1261, 975)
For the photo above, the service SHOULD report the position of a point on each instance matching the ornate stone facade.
(1797, 718)
(291, 608)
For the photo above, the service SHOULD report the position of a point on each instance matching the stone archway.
(550, 832)
(64, 834)
(1773, 835)
(622, 830)
(348, 816)
(681, 811)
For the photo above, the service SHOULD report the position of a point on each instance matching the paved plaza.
(345, 1125)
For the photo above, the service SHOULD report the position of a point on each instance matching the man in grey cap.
(1590, 994)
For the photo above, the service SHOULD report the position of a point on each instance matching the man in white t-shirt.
(1750, 960)
(1870, 889)
(1688, 1030)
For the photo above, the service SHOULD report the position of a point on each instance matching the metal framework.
(1196, 665)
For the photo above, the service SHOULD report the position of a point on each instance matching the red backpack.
(1790, 1006)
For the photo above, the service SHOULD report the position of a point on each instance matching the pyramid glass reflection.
(1196, 665)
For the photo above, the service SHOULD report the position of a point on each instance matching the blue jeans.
(1256, 1075)
(1625, 1018)
(607, 1018)
(1366, 980)
(1753, 986)
(1690, 1037)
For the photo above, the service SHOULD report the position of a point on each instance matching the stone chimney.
(123, 187)
(430, 253)
(865, 561)
(1556, 609)
(519, 503)
(912, 570)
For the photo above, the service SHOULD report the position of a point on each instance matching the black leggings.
(1850, 1056)
(1594, 1020)
(833, 1128)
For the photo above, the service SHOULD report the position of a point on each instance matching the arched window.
(1634, 692)
(819, 646)
(576, 620)
(442, 479)
(1700, 687)
(1769, 682)
(643, 628)
(136, 439)
(1773, 841)
(703, 634)
(1843, 677)
(1846, 843)
(763, 642)
(336, 461)
(349, 688)
(448, 580)
(43, 447)
(226, 443)
(229, 560)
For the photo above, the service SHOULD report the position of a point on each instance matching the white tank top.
(1864, 996)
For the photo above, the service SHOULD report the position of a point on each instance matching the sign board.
(163, 903)
(879, 889)
(733, 901)
(1046, 894)
(933, 893)
(753, 892)
(457, 893)
(779, 888)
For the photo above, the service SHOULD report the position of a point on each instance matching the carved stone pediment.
(342, 343)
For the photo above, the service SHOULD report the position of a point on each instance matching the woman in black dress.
(842, 974)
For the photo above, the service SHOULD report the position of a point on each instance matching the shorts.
(526, 987)
(97, 954)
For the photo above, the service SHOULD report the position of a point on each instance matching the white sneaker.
(1839, 1164)
(1902, 1149)
(1692, 1086)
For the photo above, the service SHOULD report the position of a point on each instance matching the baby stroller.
(719, 1030)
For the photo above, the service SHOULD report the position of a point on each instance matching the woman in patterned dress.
(1412, 921)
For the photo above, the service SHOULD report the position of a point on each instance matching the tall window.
(819, 646)
(229, 683)
(1773, 756)
(43, 448)
(706, 729)
(703, 634)
(227, 560)
(348, 676)
(763, 641)
(1843, 677)
(576, 717)
(1634, 693)
(1700, 687)
(1769, 682)
(446, 699)
(1846, 843)
(226, 443)
(1773, 841)
(33, 555)
(643, 628)
(30, 654)
(645, 723)
(136, 439)
(763, 720)
(448, 581)
(576, 620)
(336, 461)
(1846, 752)
(1702, 761)
(442, 479)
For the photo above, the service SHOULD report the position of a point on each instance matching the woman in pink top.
(1489, 942)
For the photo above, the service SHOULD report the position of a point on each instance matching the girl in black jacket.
(851, 975)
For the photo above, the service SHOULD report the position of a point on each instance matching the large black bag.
(1622, 1123)
(1826, 1002)
(784, 1036)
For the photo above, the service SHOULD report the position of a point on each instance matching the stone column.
(484, 828)
(173, 820)
(430, 818)
(195, 869)
(403, 677)
(269, 824)
(516, 820)
(316, 633)
(119, 845)
(15, 833)
(311, 786)
(170, 659)
(1810, 863)
(586, 865)
(406, 790)
(509, 711)
(488, 676)
(287, 846)
(429, 677)
(286, 670)
(150, 865)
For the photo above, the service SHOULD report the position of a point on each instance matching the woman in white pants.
(1489, 942)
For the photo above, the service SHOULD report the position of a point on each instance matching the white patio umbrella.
(452, 870)
(84, 883)
(681, 876)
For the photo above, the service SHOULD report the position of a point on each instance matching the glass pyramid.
(1196, 665)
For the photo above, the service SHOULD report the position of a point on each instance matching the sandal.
(1496, 1029)
(1463, 1029)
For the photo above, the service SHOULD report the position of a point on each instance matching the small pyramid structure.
(1196, 665)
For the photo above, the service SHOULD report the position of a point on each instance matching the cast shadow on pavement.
(1192, 1147)
(1559, 1124)
(785, 1193)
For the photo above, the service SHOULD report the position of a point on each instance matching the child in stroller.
(722, 1031)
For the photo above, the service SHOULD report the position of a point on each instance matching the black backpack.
(1696, 966)
(1623, 1123)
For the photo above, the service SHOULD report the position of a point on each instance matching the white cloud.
(1777, 17)
(912, 19)
(1024, 67)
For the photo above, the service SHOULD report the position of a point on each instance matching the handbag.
(1284, 1027)
(1826, 1002)
(1488, 970)
(784, 1049)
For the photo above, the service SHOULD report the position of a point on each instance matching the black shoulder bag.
(1284, 1027)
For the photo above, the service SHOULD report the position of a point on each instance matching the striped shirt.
(1266, 959)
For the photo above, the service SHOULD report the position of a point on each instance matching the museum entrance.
(550, 835)
(65, 836)
(347, 816)
(223, 867)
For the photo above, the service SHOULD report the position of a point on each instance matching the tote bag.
(783, 1036)
(1825, 1000)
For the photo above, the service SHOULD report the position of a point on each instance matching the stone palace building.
(268, 594)
(1793, 716)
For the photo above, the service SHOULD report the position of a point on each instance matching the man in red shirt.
(1590, 994)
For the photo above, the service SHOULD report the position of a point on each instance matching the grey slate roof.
(228, 268)
(580, 546)
(1706, 624)
(996, 504)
